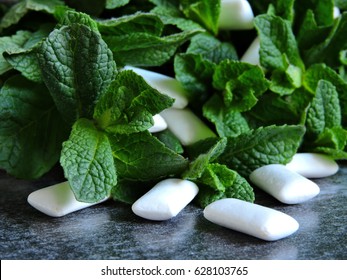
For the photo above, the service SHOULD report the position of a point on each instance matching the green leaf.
(274, 109)
(137, 23)
(143, 157)
(319, 72)
(281, 8)
(88, 163)
(20, 9)
(324, 111)
(219, 182)
(205, 12)
(332, 141)
(211, 48)
(145, 49)
(129, 104)
(14, 43)
(170, 14)
(328, 51)
(71, 17)
(198, 166)
(229, 123)
(113, 4)
(24, 59)
(31, 129)
(195, 75)
(77, 68)
(262, 146)
(241, 83)
(276, 39)
(170, 141)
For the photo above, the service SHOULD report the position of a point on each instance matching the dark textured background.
(111, 231)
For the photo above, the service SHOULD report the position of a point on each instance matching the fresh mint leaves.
(31, 131)
(88, 162)
(65, 98)
(77, 68)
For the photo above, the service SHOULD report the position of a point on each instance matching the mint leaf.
(211, 48)
(276, 40)
(77, 68)
(31, 129)
(145, 49)
(229, 123)
(88, 163)
(195, 75)
(138, 23)
(262, 146)
(274, 109)
(332, 141)
(219, 182)
(14, 43)
(281, 8)
(20, 9)
(328, 51)
(324, 111)
(170, 14)
(129, 104)
(215, 180)
(321, 9)
(170, 141)
(71, 17)
(24, 59)
(241, 83)
(113, 4)
(205, 12)
(319, 72)
(143, 157)
(198, 165)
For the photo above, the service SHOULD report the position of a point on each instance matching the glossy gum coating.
(165, 200)
(159, 124)
(57, 200)
(312, 165)
(236, 15)
(253, 219)
(285, 185)
(186, 126)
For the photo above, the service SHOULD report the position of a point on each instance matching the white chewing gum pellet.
(164, 84)
(159, 124)
(165, 200)
(253, 219)
(337, 12)
(235, 15)
(186, 126)
(251, 55)
(312, 165)
(285, 185)
(57, 200)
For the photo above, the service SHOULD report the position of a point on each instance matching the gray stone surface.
(111, 231)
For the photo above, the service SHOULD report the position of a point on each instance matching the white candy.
(57, 200)
(285, 185)
(159, 124)
(186, 126)
(235, 15)
(163, 84)
(165, 200)
(337, 12)
(312, 165)
(253, 219)
(252, 53)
